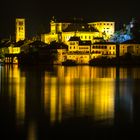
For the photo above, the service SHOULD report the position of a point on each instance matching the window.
(20, 23)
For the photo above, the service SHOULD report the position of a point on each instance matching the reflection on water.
(99, 94)
(82, 90)
(13, 84)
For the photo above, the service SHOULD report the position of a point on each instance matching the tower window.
(20, 23)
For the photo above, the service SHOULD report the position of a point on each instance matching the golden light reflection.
(85, 90)
(20, 100)
(17, 89)
(133, 73)
(68, 92)
(104, 91)
(53, 97)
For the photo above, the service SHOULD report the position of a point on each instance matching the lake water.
(71, 103)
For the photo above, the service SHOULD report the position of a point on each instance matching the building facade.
(95, 31)
(62, 32)
(129, 46)
(83, 51)
(20, 29)
(103, 49)
(106, 28)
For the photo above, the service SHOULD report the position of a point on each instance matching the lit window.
(20, 23)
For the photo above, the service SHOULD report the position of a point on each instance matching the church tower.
(20, 29)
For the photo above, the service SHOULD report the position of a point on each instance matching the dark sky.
(39, 12)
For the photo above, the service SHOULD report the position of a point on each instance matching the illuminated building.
(13, 49)
(61, 32)
(79, 50)
(83, 51)
(106, 28)
(129, 46)
(103, 49)
(20, 29)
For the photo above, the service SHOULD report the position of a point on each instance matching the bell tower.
(20, 29)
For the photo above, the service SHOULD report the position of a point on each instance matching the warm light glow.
(17, 89)
(20, 29)
(53, 100)
(79, 89)
(104, 99)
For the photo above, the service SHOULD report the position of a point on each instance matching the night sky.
(39, 12)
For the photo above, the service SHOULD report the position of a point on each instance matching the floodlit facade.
(103, 49)
(20, 29)
(94, 31)
(129, 46)
(106, 28)
(62, 32)
(79, 50)
(83, 51)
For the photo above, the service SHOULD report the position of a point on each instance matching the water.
(71, 103)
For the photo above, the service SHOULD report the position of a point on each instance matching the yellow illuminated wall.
(20, 29)
(105, 27)
(56, 33)
(65, 36)
(14, 50)
(134, 49)
(103, 49)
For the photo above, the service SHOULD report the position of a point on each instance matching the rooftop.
(80, 27)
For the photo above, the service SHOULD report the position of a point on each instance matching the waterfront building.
(94, 31)
(129, 46)
(79, 50)
(103, 49)
(83, 51)
(20, 29)
(107, 28)
(63, 31)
